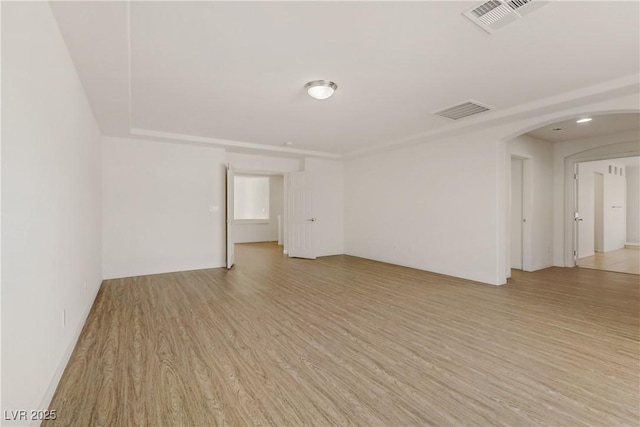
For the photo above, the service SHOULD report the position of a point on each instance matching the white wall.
(264, 232)
(431, 206)
(256, 163)
(442, 202)
(393, 198)
(163, 207)
(51, 206)
(633, 205)
(539, 204)
(328, 205)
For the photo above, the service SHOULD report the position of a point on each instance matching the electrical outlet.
(85, 286)
(64, 317)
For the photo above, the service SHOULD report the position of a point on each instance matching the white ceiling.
(598, 126)
(236, 70)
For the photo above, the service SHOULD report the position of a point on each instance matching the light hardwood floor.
(347, 341)
(625, 260)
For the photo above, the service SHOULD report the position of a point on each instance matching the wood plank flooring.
(347, 341)
(625, 260)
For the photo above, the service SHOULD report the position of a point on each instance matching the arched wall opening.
(558, 189)
(612, 151)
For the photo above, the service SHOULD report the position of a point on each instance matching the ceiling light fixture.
(585, 120)
(320, 89)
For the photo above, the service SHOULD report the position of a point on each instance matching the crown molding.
(236, 145)
(625, 85)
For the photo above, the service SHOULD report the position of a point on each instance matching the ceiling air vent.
(514, 4)
(495, 14)
(463, 110)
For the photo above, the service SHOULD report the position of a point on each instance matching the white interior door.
(598, 213)
(585, 211)
(300, 216)
(517, 213)
(230, 217)
(614, 212)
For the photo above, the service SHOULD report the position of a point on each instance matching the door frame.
(527, 210)
(229, 216)
(576, 212)
(285, 213)
(607, 152)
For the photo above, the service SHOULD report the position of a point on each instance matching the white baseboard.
(53, 385)
(587, 255)
(541, 267)
(632, 245)
(125, 274)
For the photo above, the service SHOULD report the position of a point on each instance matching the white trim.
(226, 143)
(448, 273)
(62, 365)
(541, 267)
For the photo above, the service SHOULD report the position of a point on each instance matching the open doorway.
(520, 208)
(258, 208)
(519, 213)
(607, 194)
(255, 210)
(550, 153)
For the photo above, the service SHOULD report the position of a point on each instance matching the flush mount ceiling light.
(320, 89)
(585, 120)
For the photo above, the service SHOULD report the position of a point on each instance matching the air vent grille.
(463, 110)
(492, 15)
(486, 8)
(491, 12)
(516, 4)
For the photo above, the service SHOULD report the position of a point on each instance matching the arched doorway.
(614, 143)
